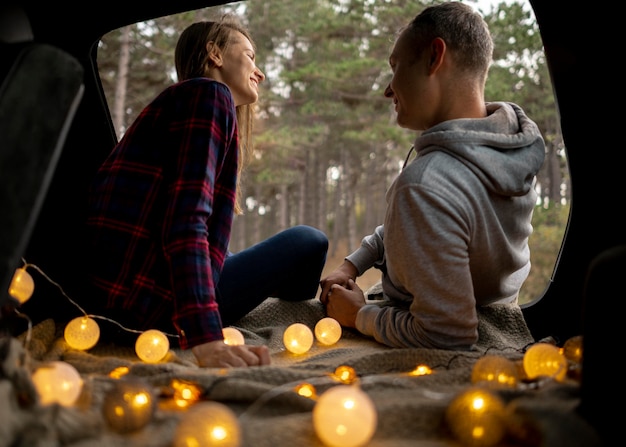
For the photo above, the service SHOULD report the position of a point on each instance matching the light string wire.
(327, 379)
(100, 317)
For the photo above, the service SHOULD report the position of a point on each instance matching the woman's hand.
(217, 354)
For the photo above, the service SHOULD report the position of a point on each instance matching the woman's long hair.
(192, 61)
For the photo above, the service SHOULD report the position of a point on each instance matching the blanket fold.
(410, 408)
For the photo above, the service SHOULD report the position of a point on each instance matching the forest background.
(326, 142)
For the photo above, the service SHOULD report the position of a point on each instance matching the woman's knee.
(312, 237)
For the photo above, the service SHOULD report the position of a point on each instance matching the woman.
(162, 204)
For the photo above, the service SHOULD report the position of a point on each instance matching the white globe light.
(82, 333)
(328, 331)
(208, 424)
(344, 416)
(298, 338)
(57, 382)
(152, 346)
(233, 336)
(22, 285)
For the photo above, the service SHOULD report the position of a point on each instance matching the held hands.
(343, 303)
(218, 354)
(344, 273)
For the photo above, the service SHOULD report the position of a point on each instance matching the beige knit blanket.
(410, 409)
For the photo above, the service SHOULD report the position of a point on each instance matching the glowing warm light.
(208, 424)
(476, 417)
(185, 393)
(421, 370)
(344, 416)
(118, 372)
(152, 346)
(545, 359)
(573, 349)
(328, 331)
(128, 406)
(298, 338)
(57, 382)
(233, 336)
(22, 285)
(82, 333)
(345, 374)
(306, 390)
(493, 370)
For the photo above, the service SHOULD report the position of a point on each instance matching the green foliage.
(545, 244)
(322, 107)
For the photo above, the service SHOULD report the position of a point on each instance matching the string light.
(233, 336)
(208, 424)
(345, 374)
(82, 333)
(298, 338)
(344, 416)
(327, 331)
(152, 346)
(545, 359)
(573, 349)
(475, 417)
(119, 372)
(421, 370)
(129, 405)
(22, 285)
(57, 382)
(497, 371)
(185, 393)
(306, 390)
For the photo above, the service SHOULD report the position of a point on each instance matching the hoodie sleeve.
(371, 252)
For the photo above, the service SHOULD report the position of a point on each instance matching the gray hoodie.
(456, 230)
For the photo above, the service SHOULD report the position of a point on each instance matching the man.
(455, 235)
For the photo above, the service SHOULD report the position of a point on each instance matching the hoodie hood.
(505, 149)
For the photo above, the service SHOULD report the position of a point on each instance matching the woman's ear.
(215, 55)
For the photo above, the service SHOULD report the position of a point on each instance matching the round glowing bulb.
(208, 424)
(129, 405)
(152, 346)
(545, 359)
(57, 382)
(233, 336)
(328, 331)
(573, 349)
(345, 374)
(476, 417)
(298, 338)
(82, 333)
(493, 370)
(22, 285)
(344, 416)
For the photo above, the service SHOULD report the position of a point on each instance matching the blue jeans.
(287, 265)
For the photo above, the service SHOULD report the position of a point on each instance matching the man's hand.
(341, 275)
(343, 303)
(217, 354)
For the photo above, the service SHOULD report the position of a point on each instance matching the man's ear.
(215, 55)
(438, 50)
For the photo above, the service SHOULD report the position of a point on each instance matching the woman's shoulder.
(202, 83)
(202, 90)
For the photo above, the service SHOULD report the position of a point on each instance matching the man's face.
(408, 86)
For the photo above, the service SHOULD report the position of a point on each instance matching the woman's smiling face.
(238, 70)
